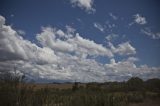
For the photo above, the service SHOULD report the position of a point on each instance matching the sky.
(80, 40)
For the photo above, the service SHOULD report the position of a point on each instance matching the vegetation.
(15, 92)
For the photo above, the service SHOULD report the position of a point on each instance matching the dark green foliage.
(153, 85)
(135, 84)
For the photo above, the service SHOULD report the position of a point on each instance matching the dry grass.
(55, 86)
(147, 102)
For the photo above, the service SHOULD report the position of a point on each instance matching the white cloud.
(89, 47)
(132, 59)
(123, 70)
(139, 19)
(13, 46)
(123, 49)
(48, 38)
(70, 29)
(84, 4)
(85, 70)
(21, 32)
(111, 37)
(60, 33)
(74, 44)
(99, 26)
(151, 34)
(112, 61)
(2, 21)
(65, 58)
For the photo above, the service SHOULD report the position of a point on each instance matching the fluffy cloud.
(125, 69)
(70, 29)
(48, 39)
(84, 4)
(14, 47)
(64, 56)
(139, 19)
(132, 59)
(123, 49)
(71, 43)
(84, 70)
(2, 21)
(151, 34)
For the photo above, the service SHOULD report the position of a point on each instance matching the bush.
(135, 97)
(135, 84)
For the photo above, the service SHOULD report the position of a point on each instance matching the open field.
(55, 86)
(134, 92)
(62, 86)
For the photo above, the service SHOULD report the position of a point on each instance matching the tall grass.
(15, 92)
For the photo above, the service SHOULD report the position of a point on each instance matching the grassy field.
(55, 86)
(134, 92)
(151, 99)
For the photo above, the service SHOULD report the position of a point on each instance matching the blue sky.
(133, 24)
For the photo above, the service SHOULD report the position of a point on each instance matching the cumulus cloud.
(59, 57)
(123, 70)
(70, 29)
(73, 44)
(151, 34)
(2, 21)
(139, 19)
(48, 39)
(90, 47)
(14, 47)
(123, 49)
(133, 59)
(84, 4)
(60, 33)
(84, 70)
(64, 58)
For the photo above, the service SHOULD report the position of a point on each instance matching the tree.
(135, 84)
(75, 86)
(153, 84)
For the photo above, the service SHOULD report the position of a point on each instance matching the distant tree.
(153, 84)
(75, 86)
(135, 84)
